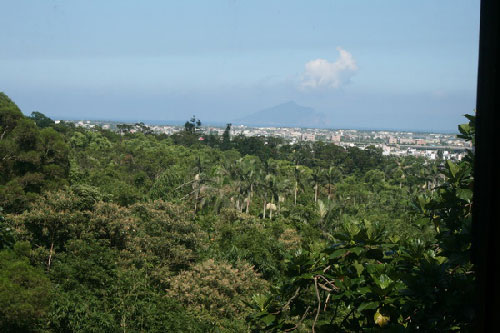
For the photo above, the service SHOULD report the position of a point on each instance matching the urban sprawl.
(400, 143)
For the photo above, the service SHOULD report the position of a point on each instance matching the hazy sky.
(369, 64)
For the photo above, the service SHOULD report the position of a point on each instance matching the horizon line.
(223, 124)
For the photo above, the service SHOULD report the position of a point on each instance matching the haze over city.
(362, 64)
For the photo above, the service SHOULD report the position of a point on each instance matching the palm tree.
(316, 178)
(301, 175)
(324, 210)
(203, 186)
(249, 177)
(332, 175)
(283, 186)
(269, 185)
(401, 170)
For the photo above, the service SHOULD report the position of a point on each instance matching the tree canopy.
(131, 231)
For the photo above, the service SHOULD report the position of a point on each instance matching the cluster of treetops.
(131, 231)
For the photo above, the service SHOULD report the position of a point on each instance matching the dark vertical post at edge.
(487, 169)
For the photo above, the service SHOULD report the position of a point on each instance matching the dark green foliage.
(94, 294)
(41, 120)
(31, 160)
(7, 237)
(369, 279)
(142, 232)
(165, 239)
(193, 125)
(25, 291)
(226, 138)
(237, 237)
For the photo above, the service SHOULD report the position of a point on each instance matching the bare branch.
(334, 287)
(326, 302)
(178, 187)
(289, 301)
(319, 303)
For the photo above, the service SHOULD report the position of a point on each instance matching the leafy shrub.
(217, 290)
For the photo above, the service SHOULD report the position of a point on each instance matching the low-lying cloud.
(320, 73)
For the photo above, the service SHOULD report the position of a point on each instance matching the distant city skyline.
(364, 64)
(223, 124)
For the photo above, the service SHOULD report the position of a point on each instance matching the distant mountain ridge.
(288, 114)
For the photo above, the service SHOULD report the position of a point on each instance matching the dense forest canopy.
(131, 232)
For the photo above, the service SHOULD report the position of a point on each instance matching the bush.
(217, 290)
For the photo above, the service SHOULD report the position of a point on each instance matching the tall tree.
(31, 159)
(226, 138)
(41, 120)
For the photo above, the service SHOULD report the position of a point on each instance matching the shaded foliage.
(25, 291)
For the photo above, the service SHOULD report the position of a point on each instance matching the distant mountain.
(288, 114)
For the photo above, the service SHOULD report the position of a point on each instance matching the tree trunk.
(123, 322)
(264, 209)
(195, 201)
(315, 193)
(248, 199)
(295, 194)
(50, 255)
(271, 209)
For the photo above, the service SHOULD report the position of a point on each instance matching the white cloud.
(321, 73)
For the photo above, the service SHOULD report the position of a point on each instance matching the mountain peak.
(287, 114)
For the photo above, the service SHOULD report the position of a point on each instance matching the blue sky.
(365, 64)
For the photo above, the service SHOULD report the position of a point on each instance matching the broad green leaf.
(454, 169)
(338, 253)
(375, 268)
(357, 250)
(352, 228)
(464, 129)
(441, 260)
(368, 306)
(359, 268)
(464, 194)
(471, 117)
(268, 319)
(261, 301)
(383, 281)
(364, 290)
